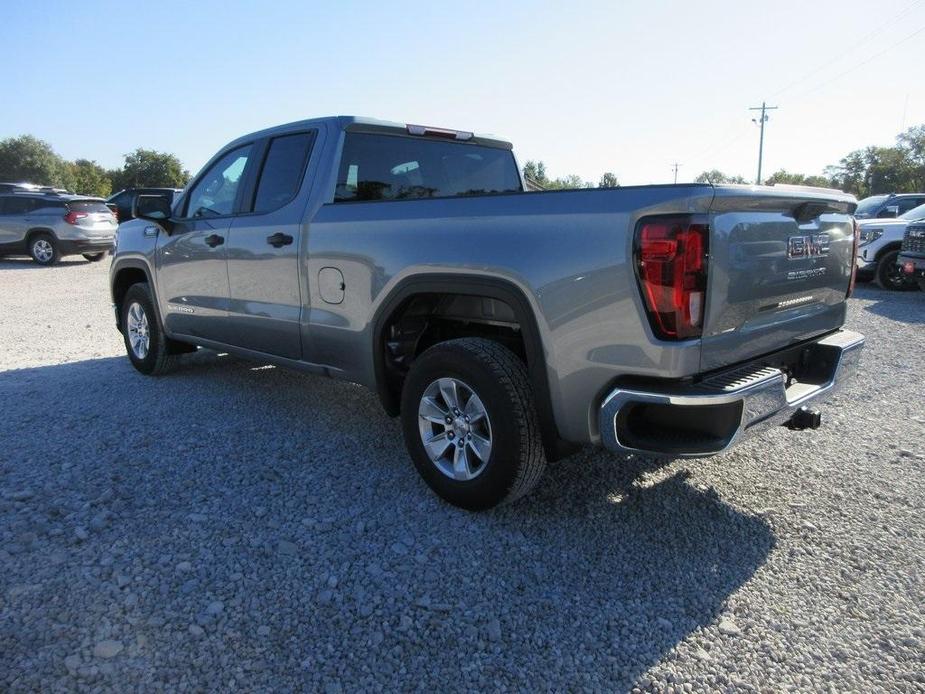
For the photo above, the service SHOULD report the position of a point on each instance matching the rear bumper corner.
(709, 417)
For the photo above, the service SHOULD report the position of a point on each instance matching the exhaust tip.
(805, 418)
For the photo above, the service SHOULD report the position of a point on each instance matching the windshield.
(870, 205)
(914, 213)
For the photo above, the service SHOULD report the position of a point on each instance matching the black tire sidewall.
(492, 485)
(55, 257)
(94, 257)
(883, 268)
(138, 293)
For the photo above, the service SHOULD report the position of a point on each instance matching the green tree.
(569, 182)
(715, 176)
(90, 178)
(912, 142)
(535, 172)
(148, 167)
(798, 179)
(609, 180)
(889, 170)
(26, 158)
(850, 174)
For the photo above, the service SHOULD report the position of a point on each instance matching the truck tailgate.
(779, 270)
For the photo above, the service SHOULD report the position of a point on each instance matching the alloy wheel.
(455, 429)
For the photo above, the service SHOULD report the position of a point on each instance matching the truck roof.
(364, 124)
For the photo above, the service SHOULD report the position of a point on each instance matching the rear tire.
(890, 276)
(94, 257)
(147, 347)
(44, 249)
(503, 457)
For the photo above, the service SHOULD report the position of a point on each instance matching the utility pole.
(676, 167)
(761, 120)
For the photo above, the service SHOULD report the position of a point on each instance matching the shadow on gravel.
(290, 500)
(904, 307)
(26, 263)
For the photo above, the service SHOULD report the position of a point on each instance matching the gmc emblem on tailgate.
(812, 246)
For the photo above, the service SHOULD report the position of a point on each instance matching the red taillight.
(72, 217)
(671, 260)
(854, 259)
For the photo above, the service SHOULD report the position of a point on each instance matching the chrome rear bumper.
(695, 420)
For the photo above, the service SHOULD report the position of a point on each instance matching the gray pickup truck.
(505, 327)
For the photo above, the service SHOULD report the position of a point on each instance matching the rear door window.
(906, 204)
(283, 169)
(389, 167)
(19, 206)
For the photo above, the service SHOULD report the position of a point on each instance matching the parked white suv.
(879, 247)
(50, 226)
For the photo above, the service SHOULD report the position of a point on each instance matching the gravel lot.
(237, 527)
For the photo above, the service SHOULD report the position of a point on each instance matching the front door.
(192, 272)
(263, 251)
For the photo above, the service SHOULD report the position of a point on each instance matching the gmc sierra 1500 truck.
(505, 327)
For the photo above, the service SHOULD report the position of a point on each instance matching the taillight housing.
(671, 255)
(73, 217)
(854, 258)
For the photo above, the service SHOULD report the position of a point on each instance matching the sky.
(587, 87)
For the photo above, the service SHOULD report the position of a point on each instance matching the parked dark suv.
(124, 199)
(888, 205)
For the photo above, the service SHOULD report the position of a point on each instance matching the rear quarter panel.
(569, 253)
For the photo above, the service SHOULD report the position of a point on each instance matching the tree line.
(869, 171)
(26, 158)
(535, 173)
(863, 172)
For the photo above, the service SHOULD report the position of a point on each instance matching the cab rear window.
(388, 167)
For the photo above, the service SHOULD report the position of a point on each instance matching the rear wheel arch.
(505, 291)
(34, 231)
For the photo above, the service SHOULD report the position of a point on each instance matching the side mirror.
(889, 212)
(156, 208)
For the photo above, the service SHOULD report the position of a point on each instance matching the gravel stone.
(617, 574)
(108, 649)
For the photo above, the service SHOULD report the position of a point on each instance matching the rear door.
(780, 264)
(13, 224)
(192, 273)
(263, 249)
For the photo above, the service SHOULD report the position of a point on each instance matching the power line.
(761, 120)
(854, 47)
(714, 149)
(861, 64)
(676, 166)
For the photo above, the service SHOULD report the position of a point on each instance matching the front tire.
(44, 249)
(470, 423)
(94, 257)
(890, 275)
(145, 342)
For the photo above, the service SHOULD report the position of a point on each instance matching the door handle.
(214, 240)
(278, 240)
